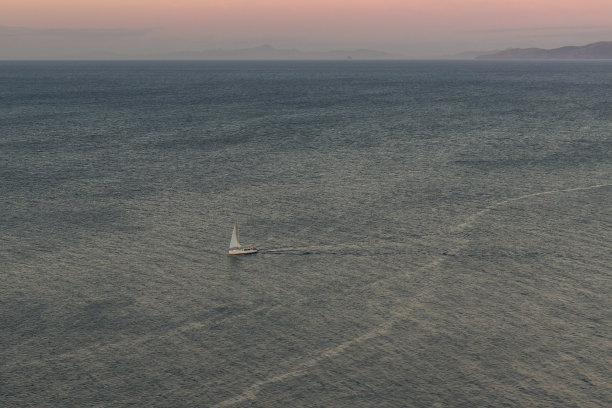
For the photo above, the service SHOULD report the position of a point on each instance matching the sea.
(430, 233)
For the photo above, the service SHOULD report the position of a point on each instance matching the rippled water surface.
(430, 234)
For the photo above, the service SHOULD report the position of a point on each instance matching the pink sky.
(415, 28)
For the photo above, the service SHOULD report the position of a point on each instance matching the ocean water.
(431, 234)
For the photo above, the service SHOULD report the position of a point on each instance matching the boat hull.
(242, 251)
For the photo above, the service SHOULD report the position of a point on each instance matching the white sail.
(235, 248)
(234, 243)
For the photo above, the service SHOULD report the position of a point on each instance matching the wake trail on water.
(353, 250)
(397, 313)
(470, 220)
(285, 251)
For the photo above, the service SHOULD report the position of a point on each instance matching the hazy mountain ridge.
(598, 50)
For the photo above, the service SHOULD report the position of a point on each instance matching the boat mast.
(237, 233)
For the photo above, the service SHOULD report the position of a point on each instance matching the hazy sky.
(414, 28)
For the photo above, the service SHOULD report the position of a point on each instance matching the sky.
(44, 29)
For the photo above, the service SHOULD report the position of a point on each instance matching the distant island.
(267, 52)
(598, 50)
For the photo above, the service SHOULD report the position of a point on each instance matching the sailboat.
(235, 248)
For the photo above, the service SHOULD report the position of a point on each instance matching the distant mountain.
(267, 52)
(466, 55)
(599, 50)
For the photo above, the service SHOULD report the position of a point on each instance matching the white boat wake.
(250, 393)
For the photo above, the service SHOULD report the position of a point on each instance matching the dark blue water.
(430, 234)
